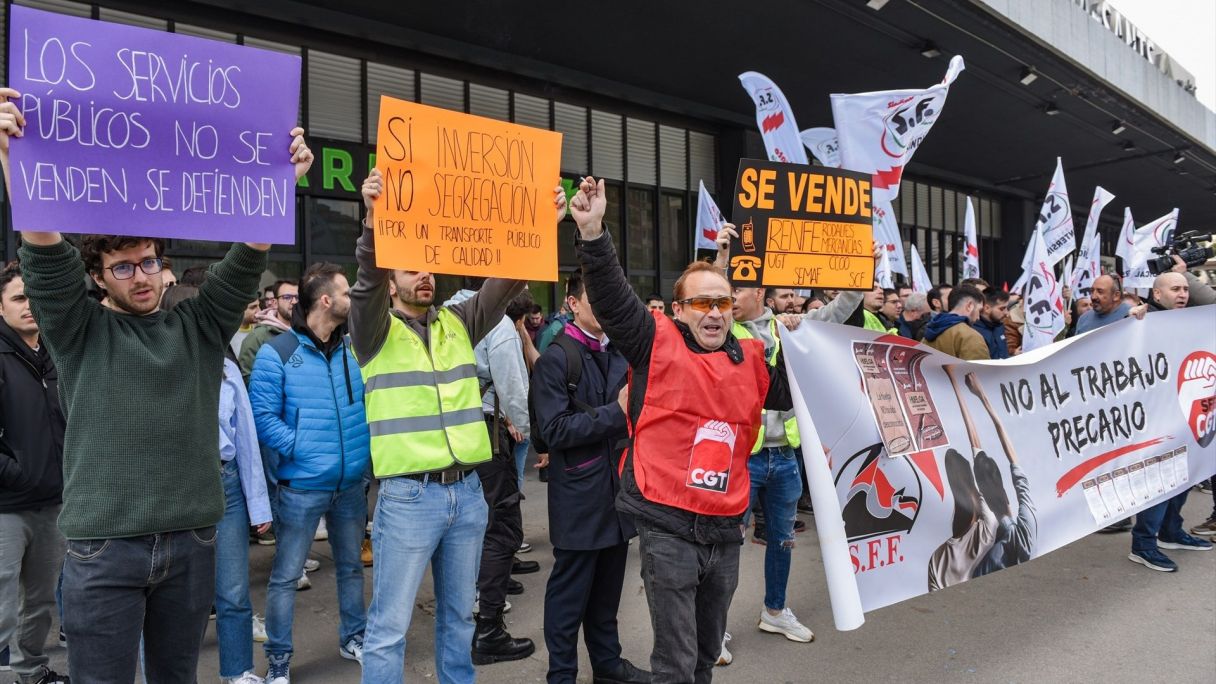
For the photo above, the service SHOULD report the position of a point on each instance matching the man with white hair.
(915, 316)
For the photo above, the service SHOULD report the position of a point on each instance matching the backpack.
(574, 373)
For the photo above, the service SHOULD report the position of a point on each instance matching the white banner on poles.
(879, 131)
(1000, 462)
(1044, 307)
(886, 233)
(823, 144)
(971, 250)
(775, 119)
(1089, 259)
(920, 277)
(1155, 233)
(1055, 219)
(709, 219)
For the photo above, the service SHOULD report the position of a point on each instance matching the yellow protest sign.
(465, 195)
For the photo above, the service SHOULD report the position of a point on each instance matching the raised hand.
(588, 207)
(12, 121)
(559, 201)
(372, 187)
(301, 156)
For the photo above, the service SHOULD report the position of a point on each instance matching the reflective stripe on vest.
(792, 436)
(424, 406)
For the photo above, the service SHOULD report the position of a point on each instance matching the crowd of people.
(152, 434)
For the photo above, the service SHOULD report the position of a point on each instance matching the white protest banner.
(823, 145)
(879, 131)
(775, 119)
(1026, 259)
(882, 272)
(709, 219)
(1089, 264)
(886, 233)
(1006, 461)
(1125, 248)
(1055, 219)
(1155, 233)
(1044, 307)
(971, 250)
(920, 277)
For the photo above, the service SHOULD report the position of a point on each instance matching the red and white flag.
(920, 277)
(1155, 233)
(1055, 219)
(1089, 258)
(823, 144)
(775, 119)
(1044, 301)
(709, 219)
(886, 233)
(971, 251)
(882, 272)
(878, 132)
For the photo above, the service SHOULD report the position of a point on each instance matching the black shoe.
(523, 567)
(492, 643)
(51, 677)
(804, 505)
(625, 672)
(759, 536)
(1121, 526)
(799, 527)
(514, 587)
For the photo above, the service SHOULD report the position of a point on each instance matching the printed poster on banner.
(823, 145)
(1089, 258)
(801, 226)
(971, 246)
(132, 131)
(1055, 219)
(709, 219)
(1154, 234)
(464, 194)
(886, 233)
(926, 471)
(879, 132)
(775, 119)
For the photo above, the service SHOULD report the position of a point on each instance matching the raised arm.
(369, 301)
(12, 125)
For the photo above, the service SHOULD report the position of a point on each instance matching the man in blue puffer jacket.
(307, 396)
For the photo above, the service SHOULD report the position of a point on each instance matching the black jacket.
(631, 328)
(583, 460)
(32, 426)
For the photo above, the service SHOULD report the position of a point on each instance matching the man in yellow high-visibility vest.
(424, 414)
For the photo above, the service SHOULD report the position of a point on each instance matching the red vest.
(699, 419)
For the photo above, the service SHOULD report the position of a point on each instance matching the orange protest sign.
(465, 195)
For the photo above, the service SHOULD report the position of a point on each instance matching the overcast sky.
(1184, 29)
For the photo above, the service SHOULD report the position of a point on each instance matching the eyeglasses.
(289, 297)
(126, 271)
(706, 304)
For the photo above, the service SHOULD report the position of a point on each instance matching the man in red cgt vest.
(694, 403)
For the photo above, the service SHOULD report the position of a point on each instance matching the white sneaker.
(311, 565)
(246, 678)
(352, 649)
(725, 658)
(303, 584)
(259, 635)
(785, 623)
(322, 533)
(369, 527)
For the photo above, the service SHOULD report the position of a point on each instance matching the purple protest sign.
(131, 131)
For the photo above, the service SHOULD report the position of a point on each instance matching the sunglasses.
(707, 304)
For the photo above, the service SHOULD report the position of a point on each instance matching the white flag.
(1044, 302)
(1125, 247)
(1055, 219)
(1089, 259)
(775, 119)
(709, 219)
(1066, 274)
(823, 145)
(1155, 233)
(920, 277)
(882, 274)
(1026, 261)
(971, 251)
(880, 131)
(886, 233)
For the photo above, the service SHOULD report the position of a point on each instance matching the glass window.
(571, 121)
(607, 145)
(936, 218)
(438, 91)
(643, 285)
(922, 205)
(640, 155)
(907, 192)
(674, 227)
(703, 159)
(75, 9)
(640, 224)
(565, 239)
(335, 108)
(383, 79)
(673, 158)
(950, 212)
(531, 111)
(202, 32)
(494, 103)
(120, 17)
(272, 45)
(614, 218)
(333, 227)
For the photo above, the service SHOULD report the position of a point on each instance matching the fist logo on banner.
(709, 465)
(1197, 395)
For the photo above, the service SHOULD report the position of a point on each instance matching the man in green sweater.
(141, 461)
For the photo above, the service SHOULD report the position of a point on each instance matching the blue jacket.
(994, 336)
(309, 408)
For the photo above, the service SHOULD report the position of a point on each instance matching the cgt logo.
(709, 479)
(712, 452)
(1197, 395)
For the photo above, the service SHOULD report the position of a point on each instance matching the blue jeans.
(300, 510)
(233, 611)
(270, 464)
(160, 585)
(776, 487)
(416, 524)
(1163, 520)
(521, 460)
